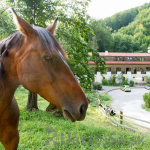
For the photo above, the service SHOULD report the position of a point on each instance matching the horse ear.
(24, 27)
(52, 27)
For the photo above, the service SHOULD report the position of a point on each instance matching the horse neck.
(8, 87)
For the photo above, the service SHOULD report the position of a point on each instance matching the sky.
(100, 9)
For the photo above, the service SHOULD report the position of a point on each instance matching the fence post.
(121, 117)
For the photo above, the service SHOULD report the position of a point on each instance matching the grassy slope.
(33, 134)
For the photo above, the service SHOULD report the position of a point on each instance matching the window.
(148, 68)
(128, 69)
(142, 78)
(108, 69)
(118, 69)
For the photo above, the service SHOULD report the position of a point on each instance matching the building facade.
(133, 66)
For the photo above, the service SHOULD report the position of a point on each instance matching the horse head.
(40, 66)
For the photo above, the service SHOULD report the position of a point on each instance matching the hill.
(126, 31)
(123, 18)
(139, 29)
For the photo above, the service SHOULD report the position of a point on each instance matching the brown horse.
(34, 58)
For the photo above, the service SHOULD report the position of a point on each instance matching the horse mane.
(6, 44)
(9, 42)
(46, 38)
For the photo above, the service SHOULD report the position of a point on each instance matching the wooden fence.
(128, 122)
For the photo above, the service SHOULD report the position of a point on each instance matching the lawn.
(42, 131)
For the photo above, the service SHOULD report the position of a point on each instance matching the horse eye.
(48, 58)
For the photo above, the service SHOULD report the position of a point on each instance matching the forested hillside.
(127, 31)
(123, 18)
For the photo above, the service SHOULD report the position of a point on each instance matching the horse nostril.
(88, 100)
(82, 109)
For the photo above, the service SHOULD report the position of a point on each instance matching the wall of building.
(137, 78)
(127, 67)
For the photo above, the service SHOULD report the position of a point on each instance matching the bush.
(104, 82)
(146, 98)
(131, 83)
(97, 86)
(147, 80)
(125, 82)
(112, 80)
(105, 97)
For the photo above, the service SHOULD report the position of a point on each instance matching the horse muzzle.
(75, 115)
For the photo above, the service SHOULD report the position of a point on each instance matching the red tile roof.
(122, 54)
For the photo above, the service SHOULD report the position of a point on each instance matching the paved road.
(105, 89)
(130, 103)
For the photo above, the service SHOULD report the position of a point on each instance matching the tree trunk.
(52, 109)
(32, 102)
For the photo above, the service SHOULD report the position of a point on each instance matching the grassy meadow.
(43, 131)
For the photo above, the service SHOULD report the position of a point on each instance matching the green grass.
(95, 131)
(146, 108)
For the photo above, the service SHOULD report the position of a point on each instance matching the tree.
(102, 33)
(73, 32)
(36, 12)
(116, 42)
(6, 25)
(144, 47)
(32, 101)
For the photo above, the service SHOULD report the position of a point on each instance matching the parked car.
(125, 88)
(147, 87)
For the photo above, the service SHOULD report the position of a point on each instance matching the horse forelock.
(49, 41)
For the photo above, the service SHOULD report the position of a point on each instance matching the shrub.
(105, 97)
(97, 86)
(125, 82)
(147, 80)
(104, 82)
(112, 80)
(131, 83)
(146, 98)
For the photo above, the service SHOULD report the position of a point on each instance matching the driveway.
(130, 103)
(105, 89)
